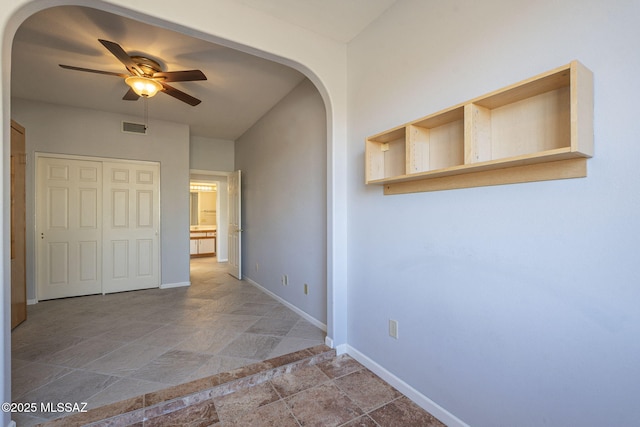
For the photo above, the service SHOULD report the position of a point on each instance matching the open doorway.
(203, 221)
(208, 216)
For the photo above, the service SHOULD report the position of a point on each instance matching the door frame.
(37, 155)
(18, 253)
(235, 224)
(212, 177)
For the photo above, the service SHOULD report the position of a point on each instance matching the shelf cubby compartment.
(386, 155)
(436, 142)
(535, 130)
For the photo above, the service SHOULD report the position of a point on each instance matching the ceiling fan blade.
(88, 70)
(130, 95)
(122, 56)
(180, 76)
(178, 94)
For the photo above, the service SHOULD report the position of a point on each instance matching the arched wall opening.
(329, 77)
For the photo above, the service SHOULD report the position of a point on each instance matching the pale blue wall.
(517, 304)
(283, 160)
(211, 154)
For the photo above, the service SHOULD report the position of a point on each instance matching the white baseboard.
(223, 259)
(421, 400)
(342, 349)
(32, 301)
(301, 313)
(328, 341)
(174, 285)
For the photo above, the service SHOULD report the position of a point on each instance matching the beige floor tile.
(272, 326)
(367, 389)
(34, 375)
(363, 421)
(125, 360)
(282, 312)
(234, 322)
(299, 380)
(237, 404)
(275, 414)
(340, 366)
(208, 340)
(18, 363)
(130, 332)
(82, 353)
(95, 327)
(289, 345)
(167, 336)
(201, 414)
(403, 412)
(172, 367)
(252, 308)
(75, 387)
(304, 329)
(122, 389)
(42, 347)
(324, 405)
(217, 364)
(251, 346)
(26, 420)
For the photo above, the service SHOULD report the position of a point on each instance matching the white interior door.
(68, 227)
(131, 200)
(235, 225)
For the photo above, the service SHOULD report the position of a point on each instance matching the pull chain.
(146, 113)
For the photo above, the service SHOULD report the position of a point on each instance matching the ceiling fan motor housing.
(148, 66)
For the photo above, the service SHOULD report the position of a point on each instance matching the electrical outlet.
(285, 280)
(393, 328)
(257, 266)
(306, 289)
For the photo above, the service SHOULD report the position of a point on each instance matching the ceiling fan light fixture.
(143, 86)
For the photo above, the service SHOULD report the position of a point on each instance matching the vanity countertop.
(203, 228)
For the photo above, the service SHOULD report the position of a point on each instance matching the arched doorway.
(336, 272)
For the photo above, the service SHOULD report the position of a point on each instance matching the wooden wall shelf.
(538, 129)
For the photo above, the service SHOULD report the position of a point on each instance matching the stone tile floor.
(102, 349)
(336, 392)
(310, 387)
(220, 353)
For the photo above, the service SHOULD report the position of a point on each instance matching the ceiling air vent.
(138, 128)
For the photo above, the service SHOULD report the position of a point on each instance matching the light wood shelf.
(535, 130)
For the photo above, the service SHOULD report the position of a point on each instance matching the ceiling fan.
(146, 77)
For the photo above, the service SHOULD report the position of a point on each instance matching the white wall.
(64, 130)
(283, 160)
(211, 154)
(517, 304)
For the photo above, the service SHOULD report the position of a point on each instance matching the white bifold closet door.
(97, 225)
(131, 249)
(68, 228)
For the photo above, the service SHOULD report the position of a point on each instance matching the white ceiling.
(240, 88)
